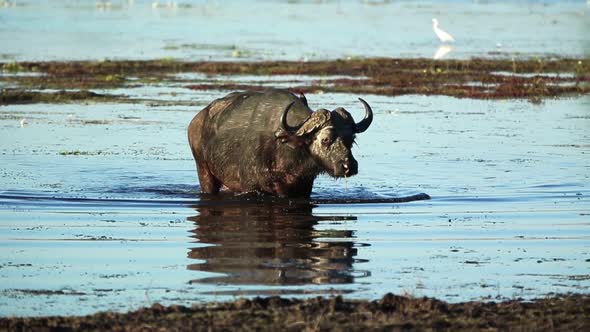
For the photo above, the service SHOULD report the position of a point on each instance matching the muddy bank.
(566, 313)
(477, 78)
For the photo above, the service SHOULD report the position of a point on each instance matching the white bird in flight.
(441, 34)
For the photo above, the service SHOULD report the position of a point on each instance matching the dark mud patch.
(17, 96)
(532, 79)
(391, 313)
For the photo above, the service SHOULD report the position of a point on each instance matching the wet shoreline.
(391, 312)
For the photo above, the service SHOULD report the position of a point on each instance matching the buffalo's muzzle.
(350, 167)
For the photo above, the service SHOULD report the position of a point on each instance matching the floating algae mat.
(477, 78)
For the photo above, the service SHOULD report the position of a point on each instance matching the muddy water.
(291, 30)
(99, 207)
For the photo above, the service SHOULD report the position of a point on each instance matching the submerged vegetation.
(533, 79)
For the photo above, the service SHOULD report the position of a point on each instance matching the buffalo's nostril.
(348, 167)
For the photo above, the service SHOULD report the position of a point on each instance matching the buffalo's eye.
(326, 141)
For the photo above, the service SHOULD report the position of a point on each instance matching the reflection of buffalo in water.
(270, 244)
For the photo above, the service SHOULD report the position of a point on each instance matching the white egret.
(441, 34)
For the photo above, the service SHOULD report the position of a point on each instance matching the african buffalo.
(272, 142)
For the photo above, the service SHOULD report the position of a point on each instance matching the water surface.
(289, 30)
(106, 214)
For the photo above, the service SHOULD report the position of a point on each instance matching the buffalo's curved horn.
(366, 122)
(303, 99)
(284, 124)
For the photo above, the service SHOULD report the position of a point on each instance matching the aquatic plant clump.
(476, 78)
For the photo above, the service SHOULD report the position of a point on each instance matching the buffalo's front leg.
(301, 189)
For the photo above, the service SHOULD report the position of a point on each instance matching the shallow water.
(100, 208)
(292, 30)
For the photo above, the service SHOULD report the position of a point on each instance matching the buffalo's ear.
(314, 122)
(293, 141)
(302, 136)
